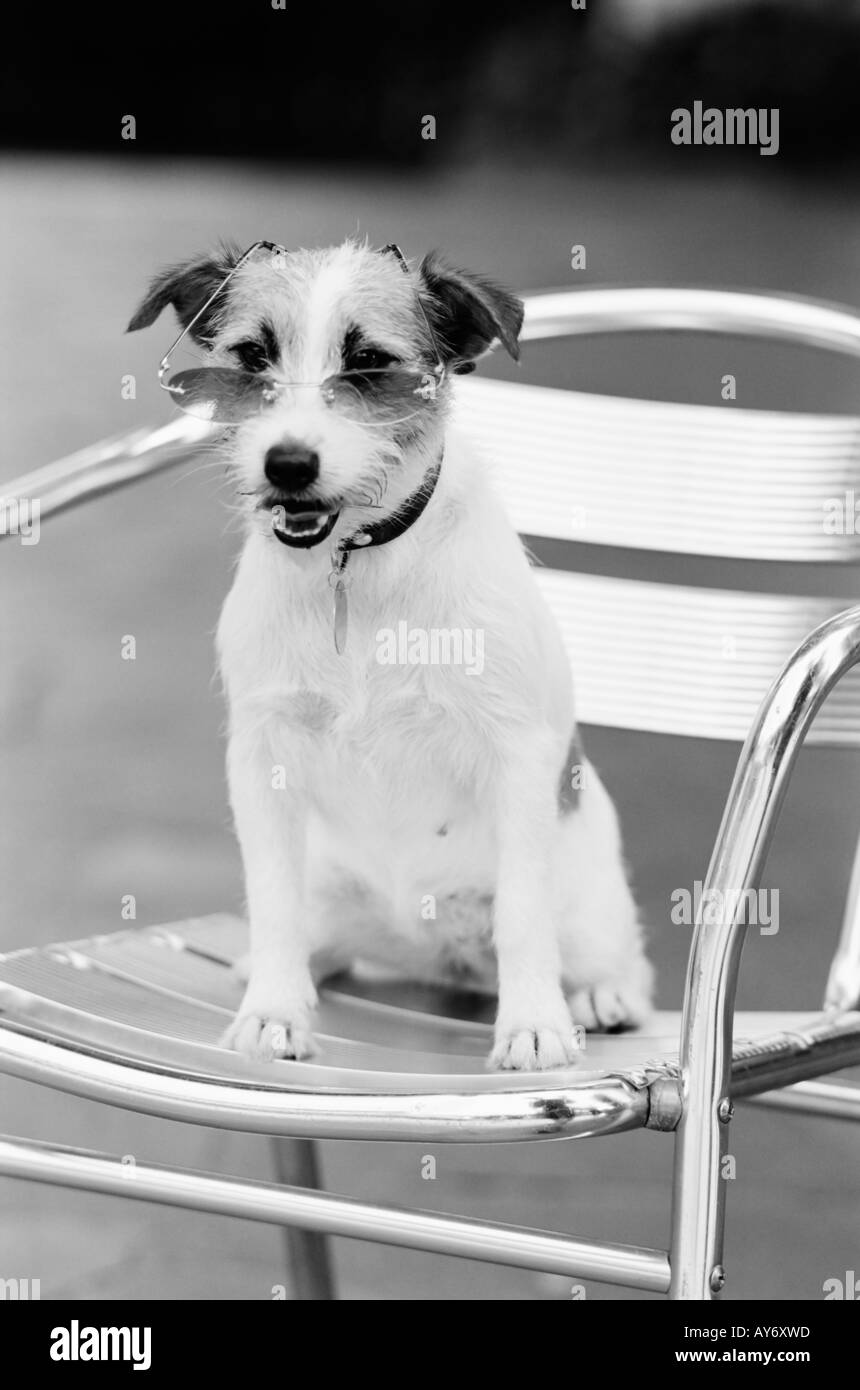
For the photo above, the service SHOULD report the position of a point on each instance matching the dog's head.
(336, 350)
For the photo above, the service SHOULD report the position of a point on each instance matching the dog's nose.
(291, 467)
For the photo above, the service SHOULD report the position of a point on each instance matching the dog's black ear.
(186, 287)
(468, 313)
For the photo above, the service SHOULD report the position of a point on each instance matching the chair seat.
(135, 1019)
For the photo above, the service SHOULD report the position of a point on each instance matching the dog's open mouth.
(301, 522)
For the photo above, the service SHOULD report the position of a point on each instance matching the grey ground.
(111, 772)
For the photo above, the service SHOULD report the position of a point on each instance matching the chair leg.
(760, 783)
(698, 1203)
(308, 1252)
(843, 984)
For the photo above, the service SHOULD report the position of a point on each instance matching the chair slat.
(129, 1018)
(680, 660)
(650, 475)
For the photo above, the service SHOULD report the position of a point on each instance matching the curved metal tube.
(635, 309)
(843, 982)
(103, 467)
(706, 1038)
(831, 1099)
(518, 1246)
(605, 1105)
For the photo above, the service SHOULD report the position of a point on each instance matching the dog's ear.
(468, 313)
(186, 287)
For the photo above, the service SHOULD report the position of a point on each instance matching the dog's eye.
(253, 356)
(369, 359)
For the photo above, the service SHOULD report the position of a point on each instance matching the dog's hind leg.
(606, 976)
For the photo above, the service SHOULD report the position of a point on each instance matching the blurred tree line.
(350, 83)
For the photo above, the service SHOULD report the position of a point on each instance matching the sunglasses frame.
(436, 376)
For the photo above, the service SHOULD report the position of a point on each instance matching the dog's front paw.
(268, 1038)
(533, 1049)
(609, 1007)
(270, 1034)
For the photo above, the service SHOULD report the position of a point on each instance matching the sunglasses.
(227, 395)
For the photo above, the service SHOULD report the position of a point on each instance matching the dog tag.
(339, 584)
(341, 615)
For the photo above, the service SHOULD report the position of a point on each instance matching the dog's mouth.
(301, 522)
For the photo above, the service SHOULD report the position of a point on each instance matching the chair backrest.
(583, 473)
(680, 653)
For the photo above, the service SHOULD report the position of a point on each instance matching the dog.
(395, 805)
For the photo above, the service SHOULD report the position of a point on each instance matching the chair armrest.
(102, 467)
(754, 801)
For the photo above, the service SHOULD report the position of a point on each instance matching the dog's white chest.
(391, 774)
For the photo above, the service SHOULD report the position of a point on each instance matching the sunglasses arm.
(258, 246)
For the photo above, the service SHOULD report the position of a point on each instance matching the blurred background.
(305, 125)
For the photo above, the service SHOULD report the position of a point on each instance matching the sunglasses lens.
(388, 395)
(220, 394)
(385, 393)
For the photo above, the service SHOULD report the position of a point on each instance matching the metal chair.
(133, 1019)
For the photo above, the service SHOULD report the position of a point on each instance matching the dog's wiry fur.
(417, 823)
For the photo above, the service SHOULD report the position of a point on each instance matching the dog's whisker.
(192, 472)
(385, 424)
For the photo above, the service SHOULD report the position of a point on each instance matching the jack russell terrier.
(403, 761)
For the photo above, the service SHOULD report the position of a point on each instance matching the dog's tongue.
(304, 522)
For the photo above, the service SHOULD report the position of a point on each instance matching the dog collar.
(378, 533)
(381, 532)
